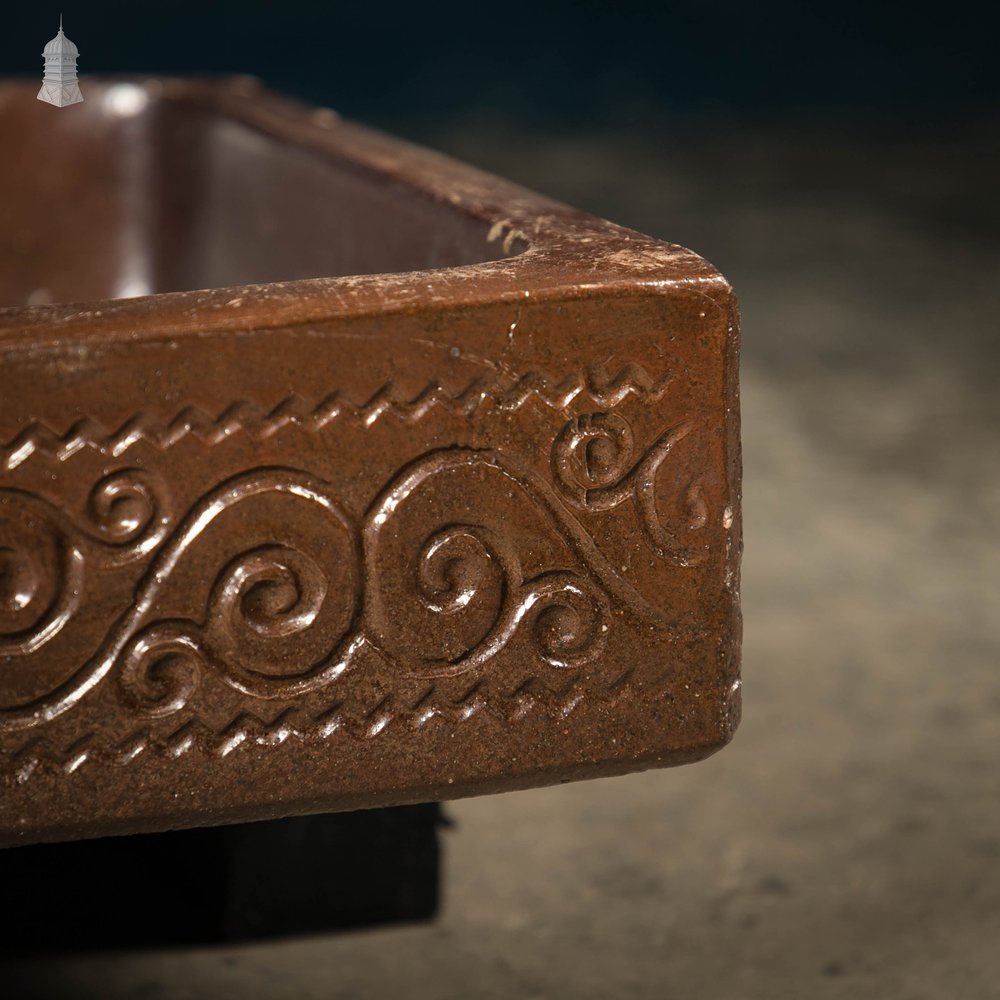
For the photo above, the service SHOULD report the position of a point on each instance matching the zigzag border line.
(604, 390)
(248, 729)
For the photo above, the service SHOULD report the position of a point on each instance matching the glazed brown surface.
(447, 503)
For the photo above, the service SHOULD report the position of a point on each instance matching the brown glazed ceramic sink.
(431, 490)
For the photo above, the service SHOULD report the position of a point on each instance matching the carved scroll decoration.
(432, 557)
(594, 461)
(42, 571)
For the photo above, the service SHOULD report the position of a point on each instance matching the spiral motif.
(124, 511)
(453, 567)
(41, 574)
(438, 602)
(286, 615)
(161, 669)
(461, 576)
(276, 625)
(448, 603)
(595, 465)
(276, 622)
(43, 553)
(274, 591)
(265, 602)
(591, 456)
(564, 614)
(570, 618)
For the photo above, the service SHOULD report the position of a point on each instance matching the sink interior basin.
(137, 192)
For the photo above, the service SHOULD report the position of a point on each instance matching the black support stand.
(258, 880)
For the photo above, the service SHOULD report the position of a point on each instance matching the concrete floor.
(848, 843)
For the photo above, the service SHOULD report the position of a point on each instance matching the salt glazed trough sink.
(337, 474)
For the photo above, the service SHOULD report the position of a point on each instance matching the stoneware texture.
(433, 491)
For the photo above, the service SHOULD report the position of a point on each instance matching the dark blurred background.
(548, 62)
(840, 164)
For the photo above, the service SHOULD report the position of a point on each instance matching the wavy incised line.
(129, 638)
(243, 416)
(247, 729)
(539, 493)
(277, 480)
(97, 529)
